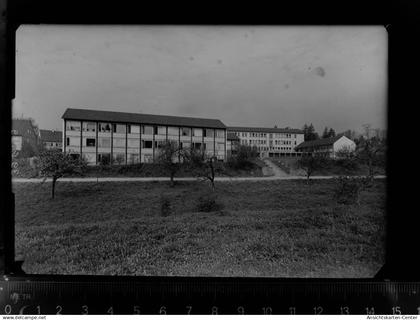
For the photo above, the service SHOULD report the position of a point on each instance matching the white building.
(129, 138)
(270, 142)
(328, 147)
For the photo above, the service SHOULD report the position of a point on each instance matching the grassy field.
(331, 169)
(265, 229)
(149, 170)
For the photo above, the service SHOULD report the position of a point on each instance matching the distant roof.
(267, 130)
(51, 135)
(232, 136)
(111, 116)
(318, 142)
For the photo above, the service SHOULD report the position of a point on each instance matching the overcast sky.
(245, 76)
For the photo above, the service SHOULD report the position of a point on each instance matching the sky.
(334, 76)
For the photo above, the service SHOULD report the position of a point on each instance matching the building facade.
(29, 133)
(270, 142)
(328, 147)
(128, 138)
(51, 139)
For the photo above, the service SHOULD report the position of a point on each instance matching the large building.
(328, 147)
(270, 142)
(128, 138)
(51, 139)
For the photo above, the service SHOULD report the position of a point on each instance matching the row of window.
(120, 158)
(105, 142)
(151, 130)
(263, 135)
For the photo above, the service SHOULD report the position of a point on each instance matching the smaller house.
(51, 139)
(232, 143)
(16, 141)
(328, 147)
(29, 136)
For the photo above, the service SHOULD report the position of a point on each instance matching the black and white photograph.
(200, 150)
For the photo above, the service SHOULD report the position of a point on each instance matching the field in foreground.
(265, 229)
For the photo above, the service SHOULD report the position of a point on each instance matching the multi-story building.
(128, 138)
(270, 142)
(51, 139)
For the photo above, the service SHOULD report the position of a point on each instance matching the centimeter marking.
(159, 295)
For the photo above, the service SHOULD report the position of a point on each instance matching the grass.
(148, 170)
(290, 164)
(264, 229)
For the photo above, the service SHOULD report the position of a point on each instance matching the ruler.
(178, 295)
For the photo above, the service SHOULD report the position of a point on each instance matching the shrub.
(208, 203)
(348, 189)
(165, 206)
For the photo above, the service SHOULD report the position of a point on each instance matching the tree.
(371, 150)
(325, 133)
(310, 164)
(309, 132)
(202, 164)
(331, 133)
(168, 157)
(244, 157)
(56, 164)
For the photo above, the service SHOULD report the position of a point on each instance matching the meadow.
(261, 229)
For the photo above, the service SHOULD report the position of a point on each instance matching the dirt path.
(275, 169)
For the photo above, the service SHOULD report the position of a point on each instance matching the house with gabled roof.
(328, 147)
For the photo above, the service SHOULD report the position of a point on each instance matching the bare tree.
(370, 150)
(168, 157)
(202, 165)
(310, 163)
(56, 164)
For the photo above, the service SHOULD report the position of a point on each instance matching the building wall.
(344, 143)
(272, 143)
(120, 143)
(52, 145)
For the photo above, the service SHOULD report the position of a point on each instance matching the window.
(173, 131)
(75, 142)
(119, 143)
(220, 146)
(147, 130)
(147, 144)
(185, 145)
(209, 133)
(133, 143)
(71, 125)
(197, 145)
(185, 132)
(90, 142)
(197, 132)
(104, 127)
(119, 158)
(119, 128)
(104, 142)
(220, 133)
(161, 130)
(89, 126)
(133, 129)
(155, 130)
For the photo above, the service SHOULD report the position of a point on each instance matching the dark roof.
(232, 136)
(318, 142)
(51, 135)
(111, 116)
(268, 130)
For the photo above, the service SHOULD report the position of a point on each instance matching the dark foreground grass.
(265, 229)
